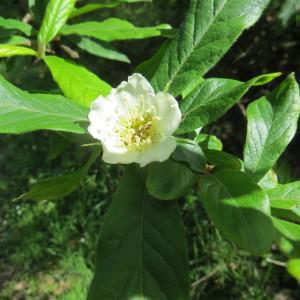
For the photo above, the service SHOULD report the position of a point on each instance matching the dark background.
(47, 248)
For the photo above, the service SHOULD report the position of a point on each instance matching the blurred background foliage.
(47, 248)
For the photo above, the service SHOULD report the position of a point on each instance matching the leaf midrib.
(267, 144)
(195, 44)
(22, 106)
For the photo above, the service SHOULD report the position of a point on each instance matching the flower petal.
(102, 118)
(158, 152)
(169, 114)
(132, 96)
(137, 84)
(119, 157)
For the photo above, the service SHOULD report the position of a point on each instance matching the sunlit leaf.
(57, 14)
(23, 112)
(113, 29)
(12, 50)
(208, 31)
(272, 123)
(16, 24)
(76, 82)
(101, 50)
(239, 208)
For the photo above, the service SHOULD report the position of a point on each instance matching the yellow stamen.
(138, 131)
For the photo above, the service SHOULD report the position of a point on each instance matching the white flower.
(134, 124)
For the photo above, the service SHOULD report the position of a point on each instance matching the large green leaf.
(12, 50)
(101, 50)
(16, 24)
(191, 154)
(142, 249)
(56, 16)
(287, 237)
(60, 186)
(15, 40)
(76, 82)
(169, 180)
(272, 123)
(288, 194)
(285, 201)
(239, 209)
(95, 6)
(113, 29)
(222, 160)
(92, 7)
(193, 84)
(212, 98)
(289, 230)
(148, 67)
(293, 268)
(23, 112)
(209, 29)
(207, 141)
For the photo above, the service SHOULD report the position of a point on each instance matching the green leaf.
(272, 123)
(15, 40)
(208, 31)
(293, 268)
(101, 50)
(113, 29)
(56, 16)
(222, 160)
(16, 24)
(286, 193)
(58, 187)
(193, 84)
(286, 212)
(207, 141)
(285, 201)
(214, 97)
(92, 7)
(191, 154)
(239, 209)
(76, 82)
(23, 112)
(289, 230)
(288, 247)
(269, 181)
(95, 6)
(12, 50)
(148, 67)
(169, 180)
(142, 250)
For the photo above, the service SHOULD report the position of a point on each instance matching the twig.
(27, 18)
(205, 278)
(276, 262)
(242, 108)
(73, 54)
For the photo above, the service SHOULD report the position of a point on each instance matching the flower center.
(138, 131)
